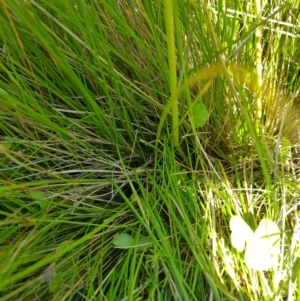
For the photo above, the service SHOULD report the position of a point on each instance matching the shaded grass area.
(83, 85)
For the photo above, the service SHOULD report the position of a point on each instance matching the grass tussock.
(98, 139)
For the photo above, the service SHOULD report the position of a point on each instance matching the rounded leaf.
(262, 251)
(123, 240)
(241, 232)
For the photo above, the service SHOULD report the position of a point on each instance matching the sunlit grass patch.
(131, 134)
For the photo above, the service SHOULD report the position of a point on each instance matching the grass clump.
(112, 185)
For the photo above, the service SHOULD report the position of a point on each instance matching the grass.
(98, 139)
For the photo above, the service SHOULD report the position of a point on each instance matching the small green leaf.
(123, 241)
(200, 114)
(40, 198)
(8, 145)
(144, 243)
